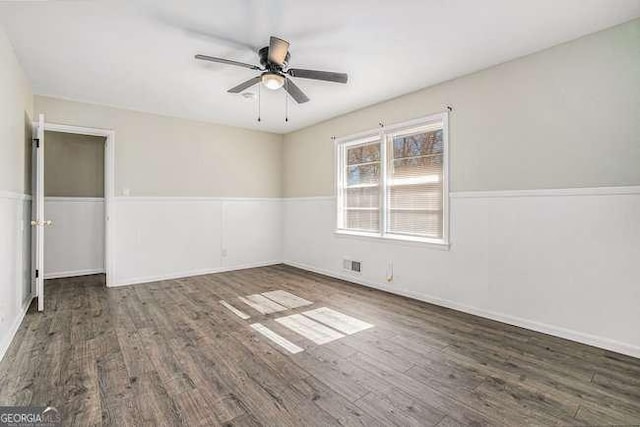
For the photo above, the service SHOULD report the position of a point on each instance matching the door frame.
(109, 184)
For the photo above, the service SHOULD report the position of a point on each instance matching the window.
(392, 183)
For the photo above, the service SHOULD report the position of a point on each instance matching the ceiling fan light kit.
(272, 81)
(275, 72)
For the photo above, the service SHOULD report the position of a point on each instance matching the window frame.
(382, 135)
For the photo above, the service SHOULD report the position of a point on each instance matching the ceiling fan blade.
(227, 61)
(245, 85)
(278, 50)
(318, 75)
(295, 92)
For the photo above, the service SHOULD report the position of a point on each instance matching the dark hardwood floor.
(168, 353)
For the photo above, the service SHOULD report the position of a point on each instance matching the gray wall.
(16, 110)
(565, 117)
(164, 156)
(73, 165)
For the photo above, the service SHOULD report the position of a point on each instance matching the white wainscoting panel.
(15, 264)
(564, 264)
(157, 238)
(252, 232)
(74, 243)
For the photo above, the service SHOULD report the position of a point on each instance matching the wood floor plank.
(310, 329)
(168, 353)
(262, 304)
(346, 413)
(286, 299)
(339, 321)
(397, 408)
(17, 377)
(81, 389)
(276, 339)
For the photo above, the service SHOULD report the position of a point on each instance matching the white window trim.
(382, 134)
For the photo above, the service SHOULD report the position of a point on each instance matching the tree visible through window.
(392, 184)
(362, 189)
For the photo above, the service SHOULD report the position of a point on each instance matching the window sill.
(406, 240)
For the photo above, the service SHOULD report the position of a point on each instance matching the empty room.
(318, 213)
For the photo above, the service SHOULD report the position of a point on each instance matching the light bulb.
(272, 81)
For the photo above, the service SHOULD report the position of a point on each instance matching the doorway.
(72, 202)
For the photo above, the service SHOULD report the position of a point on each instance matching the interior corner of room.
(509, 193)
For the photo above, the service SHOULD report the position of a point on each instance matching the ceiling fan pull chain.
(286, 103)
(259, 102)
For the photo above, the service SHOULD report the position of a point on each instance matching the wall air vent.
(351, 266)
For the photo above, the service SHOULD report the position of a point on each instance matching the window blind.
(361, 186)
(415, 182)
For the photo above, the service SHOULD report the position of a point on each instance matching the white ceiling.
(138, 54)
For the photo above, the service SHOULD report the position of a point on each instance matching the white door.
(37, 212)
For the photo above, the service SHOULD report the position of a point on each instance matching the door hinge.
(37, 142)
(37, 273)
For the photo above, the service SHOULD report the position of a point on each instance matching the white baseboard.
(63, 274)
(4, 345)
(184, 274)
(592, 340)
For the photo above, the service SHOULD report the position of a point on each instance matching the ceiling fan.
(275, 72)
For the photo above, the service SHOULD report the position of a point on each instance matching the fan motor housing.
(264, 60)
